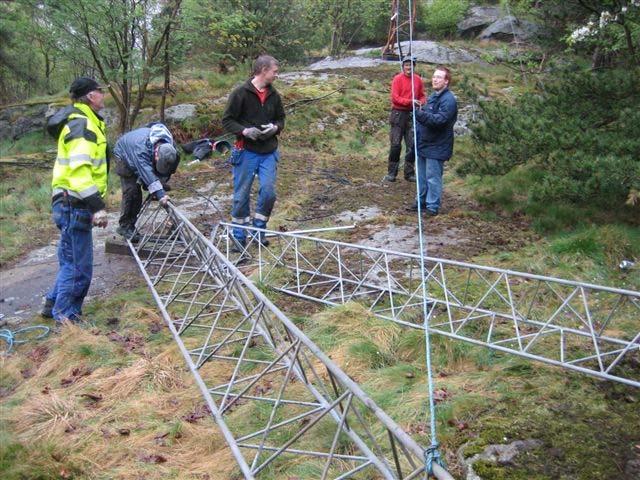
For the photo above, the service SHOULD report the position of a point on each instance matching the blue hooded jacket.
(136, 149)
(435, 125)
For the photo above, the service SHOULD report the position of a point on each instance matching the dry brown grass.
(43, 417)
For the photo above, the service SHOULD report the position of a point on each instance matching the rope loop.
(13, 337)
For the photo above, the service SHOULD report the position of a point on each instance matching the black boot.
(47, 308)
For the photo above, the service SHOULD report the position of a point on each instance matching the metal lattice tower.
(579, 326)
(397, 26)
(273, 393)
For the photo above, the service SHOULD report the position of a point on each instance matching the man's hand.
(252, 133)
(417, 104)
(164, 200)
(100, 219)
(268, 131)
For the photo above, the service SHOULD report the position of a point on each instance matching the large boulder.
(432, 52)
(509, 28)
(425, 51)
(332, 63)
(477, 19)
(180, 113)
(20, 120)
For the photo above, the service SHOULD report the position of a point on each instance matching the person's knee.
(268, 194)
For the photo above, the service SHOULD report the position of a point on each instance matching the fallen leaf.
(38, 354)
(76, 374)
(153, 458)
(197, 413)
(459, 424)
(155, 327)
(92, 396)
(441, 395)
(160, 439)
(113, 321)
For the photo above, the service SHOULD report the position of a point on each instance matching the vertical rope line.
(432, 454)
(515, 39)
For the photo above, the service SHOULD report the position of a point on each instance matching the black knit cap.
(83, 85)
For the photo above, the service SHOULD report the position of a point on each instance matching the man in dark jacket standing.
(145, 157)
(435, 140)
(255, 114)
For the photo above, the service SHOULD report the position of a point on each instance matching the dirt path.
(25, 283)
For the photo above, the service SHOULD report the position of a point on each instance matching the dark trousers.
(401, 123)
(131, 194)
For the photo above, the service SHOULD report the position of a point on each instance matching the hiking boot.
(129, 233)
(431, 213)
(47, 308)
(414, 208)
(410, 178)
(389, 178)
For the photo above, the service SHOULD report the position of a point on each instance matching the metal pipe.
(530, 276)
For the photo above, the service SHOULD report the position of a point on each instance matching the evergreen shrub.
(580, 134)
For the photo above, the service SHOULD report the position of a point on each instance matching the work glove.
(252, 133)
(164, 201)
(100, 218)
(268, 131)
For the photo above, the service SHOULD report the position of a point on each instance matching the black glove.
(252, 133)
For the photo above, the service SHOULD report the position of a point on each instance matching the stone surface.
(180, 113)
(427, 51)
(331, 63)
(509, 28)
(498, 454)
(20, 120)
(467, 114)
(477, 19)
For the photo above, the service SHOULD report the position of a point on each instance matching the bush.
(580, 135)
(442, 16)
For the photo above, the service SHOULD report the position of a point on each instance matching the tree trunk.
(167, 77)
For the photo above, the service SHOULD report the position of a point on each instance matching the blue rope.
(432, 454)
(11, 337)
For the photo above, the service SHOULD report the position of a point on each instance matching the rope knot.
(431, 456)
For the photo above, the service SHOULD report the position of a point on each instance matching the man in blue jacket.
(145, 157)
(435, 141)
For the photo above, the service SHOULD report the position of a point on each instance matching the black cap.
(83, 85)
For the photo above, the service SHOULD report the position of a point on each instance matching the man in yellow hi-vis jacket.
(79, 187)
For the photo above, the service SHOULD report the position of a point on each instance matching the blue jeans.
(249, 164)
(75, 258)
(430, 182)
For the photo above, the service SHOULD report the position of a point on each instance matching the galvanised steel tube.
(444, 261)
(334, 370)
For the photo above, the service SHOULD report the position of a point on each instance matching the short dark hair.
(447, 72)
(262, 62)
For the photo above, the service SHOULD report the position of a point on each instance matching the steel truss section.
(579, 326)
(275, 395)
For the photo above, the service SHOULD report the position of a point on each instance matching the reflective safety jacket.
(81, 166)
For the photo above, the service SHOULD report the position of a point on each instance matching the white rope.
(432, 454)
